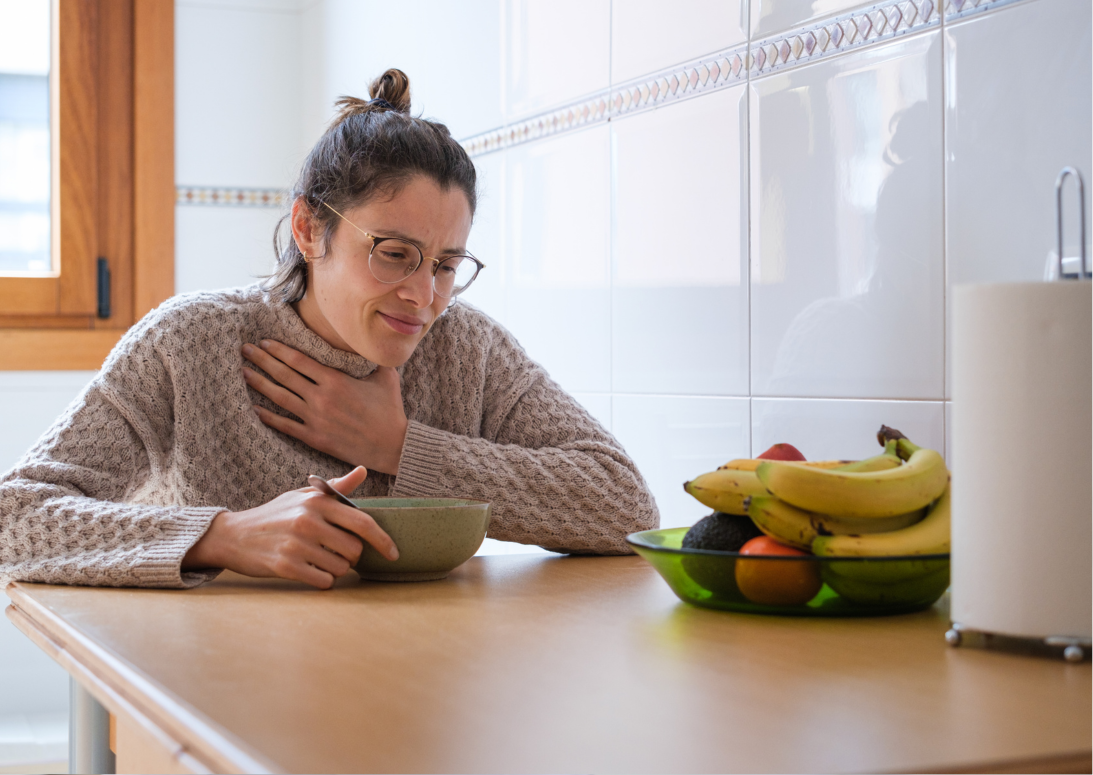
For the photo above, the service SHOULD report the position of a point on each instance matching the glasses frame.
(479, 266)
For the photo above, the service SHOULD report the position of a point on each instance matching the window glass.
(24, 137)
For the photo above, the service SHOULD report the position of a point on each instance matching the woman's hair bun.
(394, 87)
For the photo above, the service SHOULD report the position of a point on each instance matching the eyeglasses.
(392, 260)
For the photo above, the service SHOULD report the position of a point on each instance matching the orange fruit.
(773, 581)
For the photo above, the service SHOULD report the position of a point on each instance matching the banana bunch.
(728, 488)
(899, 490)
(895, 503)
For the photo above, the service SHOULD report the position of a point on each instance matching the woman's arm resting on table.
(70, 510)
(554, 477)
(292, 537)
(64, 518)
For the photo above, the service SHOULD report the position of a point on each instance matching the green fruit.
(721, 532)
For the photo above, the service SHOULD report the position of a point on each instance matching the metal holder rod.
(88, 733)
(1063, 174)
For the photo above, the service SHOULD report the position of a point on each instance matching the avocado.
(721, 532)
(724, 533)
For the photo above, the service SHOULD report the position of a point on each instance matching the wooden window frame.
(113, 190)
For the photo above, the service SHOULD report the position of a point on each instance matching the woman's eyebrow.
(381, 233)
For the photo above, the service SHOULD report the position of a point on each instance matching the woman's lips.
(403, 325)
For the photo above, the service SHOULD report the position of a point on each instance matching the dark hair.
(370, 149)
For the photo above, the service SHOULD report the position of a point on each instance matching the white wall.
(769, 258)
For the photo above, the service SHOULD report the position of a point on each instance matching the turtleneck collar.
(297, 335)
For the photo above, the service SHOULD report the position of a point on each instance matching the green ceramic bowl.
(847, 586)
(433, 536)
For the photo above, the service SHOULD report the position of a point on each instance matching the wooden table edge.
(1076, 761)
(201, 746)
(195, 742)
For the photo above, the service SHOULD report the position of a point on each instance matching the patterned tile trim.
(230, 197)
(958, 9)
(863, 27)
(696, 77)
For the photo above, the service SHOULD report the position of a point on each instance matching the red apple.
(782, 452)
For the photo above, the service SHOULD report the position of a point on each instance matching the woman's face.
(352, 310)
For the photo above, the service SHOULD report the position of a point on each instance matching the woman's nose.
(418, 287)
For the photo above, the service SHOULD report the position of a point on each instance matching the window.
(109, 154)
(24, 137)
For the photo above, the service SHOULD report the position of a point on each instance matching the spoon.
(324, 486)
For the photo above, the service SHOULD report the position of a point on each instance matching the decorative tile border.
(958, 9)
(696, 77)
(230, 197)
(865, 26)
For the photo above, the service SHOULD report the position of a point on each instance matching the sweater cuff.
(421, 461)
(161, 563)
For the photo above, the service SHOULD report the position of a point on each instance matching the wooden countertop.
(549, 664)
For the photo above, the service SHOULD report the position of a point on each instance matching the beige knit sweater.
(164, 439)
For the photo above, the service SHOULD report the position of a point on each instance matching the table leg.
(88, 733)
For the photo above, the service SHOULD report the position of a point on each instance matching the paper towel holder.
(1071, 648)
(1081, 273)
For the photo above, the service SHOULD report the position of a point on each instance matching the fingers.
(286, 399)
(290, 427)
(342, 542)
(351, 481)
(327, 561)
(309, 574)
(362, 525)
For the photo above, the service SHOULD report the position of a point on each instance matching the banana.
(725, 489)
(887, 459)
(750, 464)
(910, 487)
(930, 536)
(796, 527)
(915, 583)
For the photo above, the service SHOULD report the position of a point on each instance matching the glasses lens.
(393, 260)
(454, 275)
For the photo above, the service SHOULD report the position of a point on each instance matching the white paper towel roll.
(1022, 462)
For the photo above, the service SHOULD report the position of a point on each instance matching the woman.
(185, 455)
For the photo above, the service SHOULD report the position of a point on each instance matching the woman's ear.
(306, 229)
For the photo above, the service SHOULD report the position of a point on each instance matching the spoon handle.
(324, 486)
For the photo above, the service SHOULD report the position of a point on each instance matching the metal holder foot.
(1055, 646)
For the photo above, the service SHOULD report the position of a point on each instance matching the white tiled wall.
(782, 249)
(557, 255)
(554, 51)
(847, 265)
(680, 301)
(648, 35)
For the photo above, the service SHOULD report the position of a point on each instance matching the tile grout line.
(748, 210)
(944, 228)
(612, 226)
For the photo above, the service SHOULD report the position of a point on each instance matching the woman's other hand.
(360, 421)
(295, 536)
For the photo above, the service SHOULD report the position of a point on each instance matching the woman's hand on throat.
(360, 421)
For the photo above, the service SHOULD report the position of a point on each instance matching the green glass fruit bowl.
(793, 586)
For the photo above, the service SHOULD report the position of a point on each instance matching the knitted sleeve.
(70, 510)
(555, 477)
